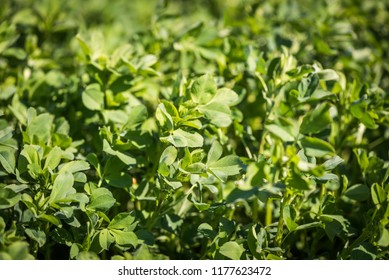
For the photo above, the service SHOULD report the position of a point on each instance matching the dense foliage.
(219, 129)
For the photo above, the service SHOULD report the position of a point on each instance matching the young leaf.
(203, 89)
(53, 158)
(62, 187)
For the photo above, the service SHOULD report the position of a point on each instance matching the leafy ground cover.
(216, 130)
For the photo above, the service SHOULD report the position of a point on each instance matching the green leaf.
(74, 166)
(358, 192)
(282, 132)
(53, 158)
(168, 156)
(5, 134)
(50, 218)
(203, 89)
(105, 239)
(335, 225)
(118, 179)
(289, 216)
(122, 221)
(18, 250)
(332, 163)
(8, 198)
(164, 118)
(206, 230)
(40, 127)
(101, 200)
(364, 251)
(62, 187)
(138, 114)
(215, 152)
(38, 235)
(308, 226)
(199, 205)
(232, 250)
(226, 96)
(125, 158)
(316, 120)
(181, 138)
(124, 238)
(383, 240)
(226, 166)
(359, 110)
(218, 114)
(327, 75)
(315, 147)
(297, 181)
(378, 194)
(7, 159)
(93, 97)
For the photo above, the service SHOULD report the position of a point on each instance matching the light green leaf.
(7, 159)
(74, 166)
(122, 221)
(332, 163)
(229, 165)
(327, 75)
(38, 235)
(124, 238)
(62, 187)
(169, 155)
(181, 138)
(284, 133)
(200, 206)
(53, 158)
(215, 152)
(6, 134)
(378, 194)
(226, 96)
(232, 250)
(40, 127)
(218, 114)
(105, 239)
(101, 199)
(93, 97)
(203, 89)
(164, 118)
